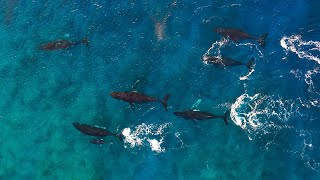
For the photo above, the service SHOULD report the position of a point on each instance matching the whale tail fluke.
(262, 39)
(225, 117)
(165, 101)
(250, 64)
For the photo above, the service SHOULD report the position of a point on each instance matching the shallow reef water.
(158, 47)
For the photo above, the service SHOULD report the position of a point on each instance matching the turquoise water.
(274, 125)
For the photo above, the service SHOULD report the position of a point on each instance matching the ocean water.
(274, 127)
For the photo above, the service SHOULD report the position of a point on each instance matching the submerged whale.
(200, 115)
(62, 44)
(236, 35)
(226, 61)
(139, 98)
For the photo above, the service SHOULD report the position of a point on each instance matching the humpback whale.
(236, 35)
(62, 44)
(139, 98)
(200, 115)
(226, 61)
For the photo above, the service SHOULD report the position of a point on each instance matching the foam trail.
(201, 8)
(247, 76)
(216, 45)
(259, 114)
(302, 48)
(308, 146)
(232, 5)
(251, 45)
(308, 80)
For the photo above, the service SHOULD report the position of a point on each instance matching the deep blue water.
(274, 126)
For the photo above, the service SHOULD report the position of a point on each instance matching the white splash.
(244, 119)
(156, 145)
(302, 48)
(146, 134)
(252, 46)
(130, 138)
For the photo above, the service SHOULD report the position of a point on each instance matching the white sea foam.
(304, 50)
(260, 114)
(308, 79)
(266, 117)
(245, 77)
(215, 47)
(308, 146)
(300, 47)
(156, 145)
(232, 5)
(222, 7)
(146, 134)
